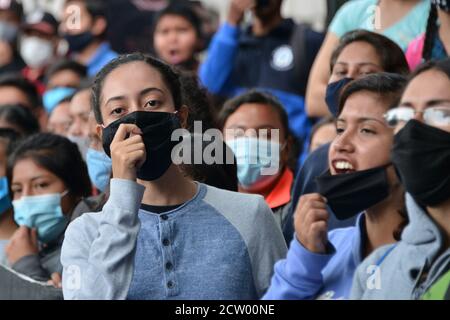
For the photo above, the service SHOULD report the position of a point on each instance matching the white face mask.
(36, 52)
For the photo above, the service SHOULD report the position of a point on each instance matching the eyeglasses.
(438, 116)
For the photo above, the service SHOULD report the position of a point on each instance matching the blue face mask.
(258, 160)
(332, 95)
(43, 213)
(53, 97)
(5, 200)
(99, 168)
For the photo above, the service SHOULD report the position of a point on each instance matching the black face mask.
(157, 129)
(351, 193)
(332, 95)
(78, 42)
(421, 156)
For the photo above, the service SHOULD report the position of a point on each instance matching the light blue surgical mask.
(42, 212)
(258, 160)
(5, 200)
(99, 168)
(53, 97)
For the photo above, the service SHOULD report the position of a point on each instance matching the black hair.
(388, 86)
(58, 155)
(438, 65)
(196, 98)
(430, 33)
(11, 138)
(322, 122)
(392, 58)
(65, 64)
(183, 9)
(222, 176)
(19, 82)
(21, 117)
(255, 96)
(169, 75)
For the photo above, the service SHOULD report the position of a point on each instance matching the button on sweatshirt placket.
(168, 266)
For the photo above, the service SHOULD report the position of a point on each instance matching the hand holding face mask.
(311, 223)
(127, 155)
(155, 131)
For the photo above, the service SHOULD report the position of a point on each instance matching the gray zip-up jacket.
(407, 269)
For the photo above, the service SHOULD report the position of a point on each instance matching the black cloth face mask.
(351, 193)
(157, 129)
(421, 156)
(332, 95)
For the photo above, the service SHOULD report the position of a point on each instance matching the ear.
(99, 26)
(285, 153)
(99, 130)
(183, 114)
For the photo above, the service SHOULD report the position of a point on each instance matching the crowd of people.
(255, 159)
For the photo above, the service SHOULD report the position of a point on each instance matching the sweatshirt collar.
(421, 228)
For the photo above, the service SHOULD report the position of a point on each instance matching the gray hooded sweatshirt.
(407, 269)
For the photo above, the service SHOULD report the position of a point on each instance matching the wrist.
(125, 175)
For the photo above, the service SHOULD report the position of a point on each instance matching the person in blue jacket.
(321, 265)
(359, 53)
(273, 53)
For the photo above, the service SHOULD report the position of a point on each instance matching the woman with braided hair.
(434, 44)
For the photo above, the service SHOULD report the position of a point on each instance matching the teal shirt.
(360, 14)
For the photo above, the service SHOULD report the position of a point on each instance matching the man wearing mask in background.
(11, 13)
(84, 27)
(38, 46)
(80, 108)
(273, 53)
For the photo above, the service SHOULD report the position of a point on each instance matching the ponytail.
(430, 34)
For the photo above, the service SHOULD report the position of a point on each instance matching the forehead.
(428, 86)
(71, 6)
(26, 169)
(13, 95)
(170, 18)
(130, 79)
(364, 104)
(63, 76)
(81, 100)
(254, 115)
(359, 52)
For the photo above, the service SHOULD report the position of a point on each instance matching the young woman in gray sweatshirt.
(161, 235)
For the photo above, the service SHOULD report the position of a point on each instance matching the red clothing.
(38, 83)
(281, 194)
